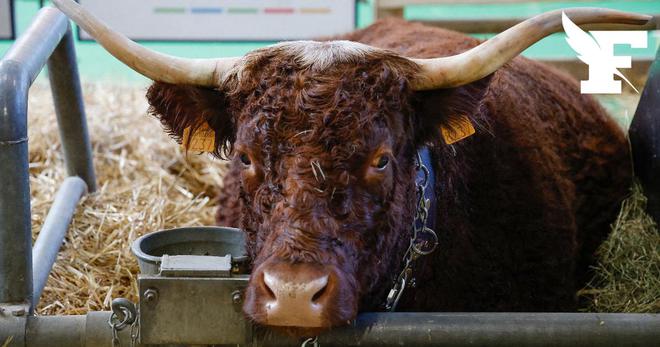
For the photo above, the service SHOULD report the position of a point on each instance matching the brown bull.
(323, 138)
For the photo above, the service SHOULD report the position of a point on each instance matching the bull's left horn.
(480, 61)
(151, 64)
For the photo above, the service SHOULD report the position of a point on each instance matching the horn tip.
(644, 18)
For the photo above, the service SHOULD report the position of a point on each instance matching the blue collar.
(429, 192)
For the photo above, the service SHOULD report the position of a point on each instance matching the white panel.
(225, 20)
(6, 20)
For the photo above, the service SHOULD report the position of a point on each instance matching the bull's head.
(324, 136)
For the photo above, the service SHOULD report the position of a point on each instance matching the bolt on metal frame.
(49, 41)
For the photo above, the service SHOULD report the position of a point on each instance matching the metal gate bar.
(48, 39)
(390, 329)
(496, 329)
(70, 111)
(53, 232)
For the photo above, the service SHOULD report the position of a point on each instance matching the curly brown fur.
(293, 119)
(522, 204)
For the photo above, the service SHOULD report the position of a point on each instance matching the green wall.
(96, 64)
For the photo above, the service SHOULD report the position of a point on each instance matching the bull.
(325, 137)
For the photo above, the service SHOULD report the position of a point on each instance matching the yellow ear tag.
(460, 129)
(202, 140)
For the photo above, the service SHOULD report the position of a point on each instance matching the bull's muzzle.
(293, 295)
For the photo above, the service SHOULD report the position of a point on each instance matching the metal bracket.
(192, 310)
(195, 266)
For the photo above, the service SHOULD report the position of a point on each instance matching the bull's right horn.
(151, 64)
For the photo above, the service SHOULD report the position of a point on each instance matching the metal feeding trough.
(193, 241)
(192, 278)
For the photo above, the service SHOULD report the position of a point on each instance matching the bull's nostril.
(319, 287)
(319, 294)
(267, 289)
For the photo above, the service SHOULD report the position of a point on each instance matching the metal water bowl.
(193, 276)
(202, 241)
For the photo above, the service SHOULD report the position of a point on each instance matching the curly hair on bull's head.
(326, 183)
(322, 137)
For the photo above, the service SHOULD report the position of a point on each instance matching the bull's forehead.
(324, 137)
(322, 55)
(318, 57)
(334, 100)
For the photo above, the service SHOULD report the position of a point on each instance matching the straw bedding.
(146, 183)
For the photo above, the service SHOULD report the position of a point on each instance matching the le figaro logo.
(597, 51)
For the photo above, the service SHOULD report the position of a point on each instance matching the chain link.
(311, 342)
(135, 331)
(123, 314)
(422, 242)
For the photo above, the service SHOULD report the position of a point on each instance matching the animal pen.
(165, 313)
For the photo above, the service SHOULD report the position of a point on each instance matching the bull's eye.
(245, 159)
(381, 162)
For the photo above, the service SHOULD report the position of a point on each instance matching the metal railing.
(48, 40)
(395, 329)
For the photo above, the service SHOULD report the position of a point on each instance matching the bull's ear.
(447, 109)
(182, 106)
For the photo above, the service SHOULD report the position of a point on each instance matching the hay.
(628, 272)
(146, 184)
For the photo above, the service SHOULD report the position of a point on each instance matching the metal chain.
(123, 314)
(135, 331)
(422, 242)
(311, 342)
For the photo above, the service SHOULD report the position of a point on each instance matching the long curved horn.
(480, 61)
(151, 64)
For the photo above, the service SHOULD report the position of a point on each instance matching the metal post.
(15, 223)
(53, 232)
(70, 110)
(18, 69)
